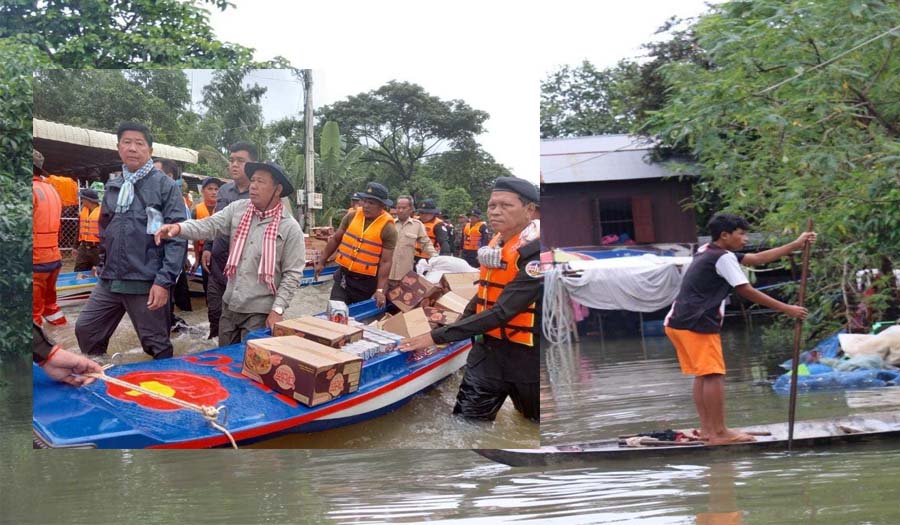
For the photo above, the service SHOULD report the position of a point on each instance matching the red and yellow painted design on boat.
(193, 388)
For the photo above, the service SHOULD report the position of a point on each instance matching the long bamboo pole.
(798, 332)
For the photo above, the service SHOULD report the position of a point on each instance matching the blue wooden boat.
(99, 416)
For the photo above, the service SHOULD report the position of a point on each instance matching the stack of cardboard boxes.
(315, 360)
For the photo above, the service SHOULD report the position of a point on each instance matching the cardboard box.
(302, 369)
(437, 317)
(411, 291)
(452, 302)
(322, 232)
(408, 324)
(321, 331)
(462, 284)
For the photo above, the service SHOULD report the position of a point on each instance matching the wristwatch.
(380, 290)
(278, 310)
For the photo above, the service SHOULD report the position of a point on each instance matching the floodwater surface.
(605, 388)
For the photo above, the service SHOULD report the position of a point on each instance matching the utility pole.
(309, 146)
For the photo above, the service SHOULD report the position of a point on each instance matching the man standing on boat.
(88, 252)
(215, 251)
(505, 315)
(365, 243)
(135, 275)
(46, 258)
(266, 256)
(475, 235)
(435, 228)
(695, 319)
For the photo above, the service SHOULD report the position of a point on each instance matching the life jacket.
(66, 187)
(520, 328)
(89, 225)
(360, 248)
(47, 213)
(472, 236)
(429, 229)
(202, 213)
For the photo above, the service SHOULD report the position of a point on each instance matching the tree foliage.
(102, 98)
(235, 108)
(121, 33)
(401, 124)
(824, 145)
(17, 62)
(584, 100)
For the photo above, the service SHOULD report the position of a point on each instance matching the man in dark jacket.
(136, 274)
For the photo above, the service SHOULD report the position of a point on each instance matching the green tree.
(456, 201)
(235, 108)
(583, 100)
(102, 98)
(121, 33)
(17, 62)
(401, 125)
(473, 170)
(782, 133)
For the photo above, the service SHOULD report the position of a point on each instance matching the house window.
(616, 221)
(624, 220)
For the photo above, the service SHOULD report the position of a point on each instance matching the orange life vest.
(472, 236)
(519, 329)
(429, 229)
(360, 248)
(66, 187)
(47, 212)
(89, 225)
(202, 213)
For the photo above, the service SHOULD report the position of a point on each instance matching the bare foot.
(696, 434)
(730, 437)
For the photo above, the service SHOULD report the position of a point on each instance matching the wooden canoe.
(807, 434)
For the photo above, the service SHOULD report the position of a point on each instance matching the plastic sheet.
(824, 377)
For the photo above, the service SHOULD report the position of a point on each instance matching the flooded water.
(416, 486)
(424, 422)
(604, 388)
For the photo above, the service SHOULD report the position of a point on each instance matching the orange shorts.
(699, 354)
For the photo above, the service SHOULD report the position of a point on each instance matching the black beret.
(518, 186)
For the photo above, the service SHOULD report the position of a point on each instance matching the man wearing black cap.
(267, 254)
(209, 190)
(505, 315)
(435, 228)
(88, 252)
(365, 243)
(475, 235)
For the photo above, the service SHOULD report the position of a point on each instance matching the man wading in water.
(695, 320)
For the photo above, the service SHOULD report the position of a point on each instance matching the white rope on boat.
(559, 318)
(211, 414)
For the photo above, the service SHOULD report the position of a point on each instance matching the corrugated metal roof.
(45, 130)
(599, 158)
